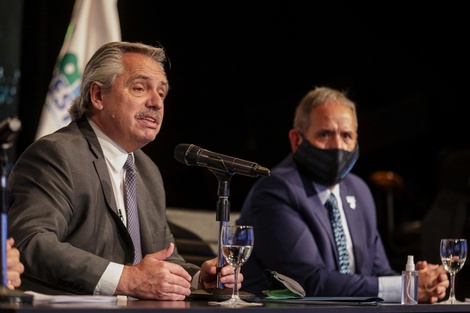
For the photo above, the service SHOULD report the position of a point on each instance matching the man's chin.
(149, 136)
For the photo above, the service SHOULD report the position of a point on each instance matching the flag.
(93, 23)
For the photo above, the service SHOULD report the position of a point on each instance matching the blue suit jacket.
(293, 235)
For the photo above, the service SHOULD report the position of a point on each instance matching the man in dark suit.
(289, 212)
(68, 191)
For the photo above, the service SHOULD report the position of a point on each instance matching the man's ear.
(96, 95)
(295, 139)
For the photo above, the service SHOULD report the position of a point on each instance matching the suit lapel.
(355, 222)
(105, 180)
(320, 214)
(100, 164)
(142, 204)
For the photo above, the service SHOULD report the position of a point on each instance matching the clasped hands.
(432, 282)
(154, 278)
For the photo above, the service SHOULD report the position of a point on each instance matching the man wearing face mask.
(315, 222)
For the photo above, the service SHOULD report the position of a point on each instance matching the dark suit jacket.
(64, 218)
(293, 235)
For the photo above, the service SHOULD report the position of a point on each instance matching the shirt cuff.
(390, 288)
(109, 280)
(195, 280)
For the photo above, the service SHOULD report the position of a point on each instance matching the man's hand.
(432, 282)
(209, 275)
(14, 267)
(153, 278)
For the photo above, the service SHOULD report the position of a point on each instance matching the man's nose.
(155, 101)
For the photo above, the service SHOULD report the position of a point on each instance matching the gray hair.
(316, 97)
(104, 66)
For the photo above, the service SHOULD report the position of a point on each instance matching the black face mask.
(325, 166)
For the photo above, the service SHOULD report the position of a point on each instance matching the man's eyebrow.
(325, 129)
(146, 78)
(138, 77)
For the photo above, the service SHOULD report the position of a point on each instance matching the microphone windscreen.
(187, 154)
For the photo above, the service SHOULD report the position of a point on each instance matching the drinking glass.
(237, 243)
(453, 256)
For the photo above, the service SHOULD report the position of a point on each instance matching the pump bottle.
(409, 283)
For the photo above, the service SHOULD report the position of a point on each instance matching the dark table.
(202, 306)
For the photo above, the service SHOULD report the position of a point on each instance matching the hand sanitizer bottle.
(409, 283)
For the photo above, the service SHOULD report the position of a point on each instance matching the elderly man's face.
(131, 113)
(332, 126)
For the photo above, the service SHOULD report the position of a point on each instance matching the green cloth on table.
(284, 287)
(281, 294)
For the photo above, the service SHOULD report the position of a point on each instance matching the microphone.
(196, 156)
(8, 130)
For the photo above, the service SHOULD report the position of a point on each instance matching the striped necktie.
(335, 219)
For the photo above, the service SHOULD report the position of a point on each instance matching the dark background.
(239, 68)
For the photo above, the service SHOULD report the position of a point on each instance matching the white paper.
(58, 299)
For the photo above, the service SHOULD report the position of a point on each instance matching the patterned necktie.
(131, 205)
(335, 219)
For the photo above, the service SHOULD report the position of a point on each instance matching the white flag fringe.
(93, 23)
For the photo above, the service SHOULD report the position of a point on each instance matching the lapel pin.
(351, 200)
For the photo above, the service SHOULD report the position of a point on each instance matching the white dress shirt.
(389, 286)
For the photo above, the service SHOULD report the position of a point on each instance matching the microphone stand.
(7, 295)
(223, 216)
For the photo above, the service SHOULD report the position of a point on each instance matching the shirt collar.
(324, 192)
(114, 154)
